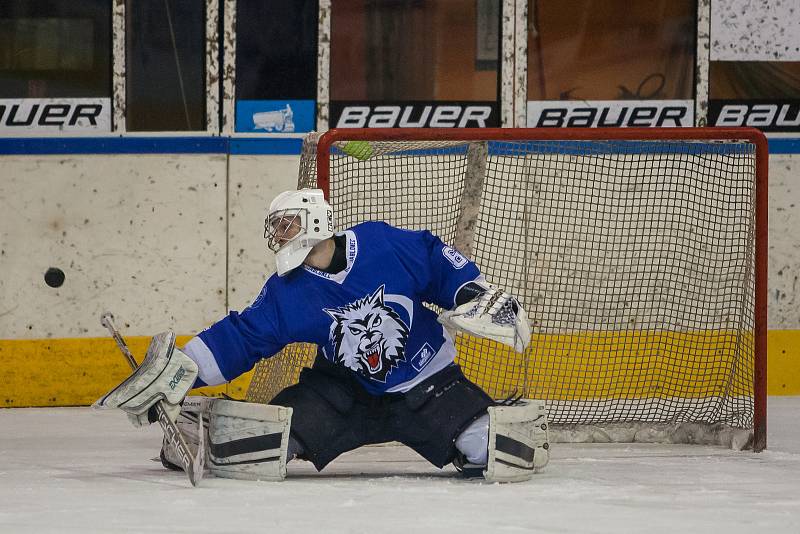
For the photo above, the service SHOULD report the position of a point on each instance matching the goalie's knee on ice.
(248, 440)
(518, 441)
(473, 441)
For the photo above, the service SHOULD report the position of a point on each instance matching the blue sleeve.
(440, 269)
(241, 339)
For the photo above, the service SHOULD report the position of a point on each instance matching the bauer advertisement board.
(766, 115)
(415, 114)
(34, 116)
(610, 113)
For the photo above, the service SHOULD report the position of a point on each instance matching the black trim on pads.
(259, 461)
(513, 447)
(246, 445)
(526, 468)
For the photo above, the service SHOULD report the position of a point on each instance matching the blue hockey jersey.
(368, 318)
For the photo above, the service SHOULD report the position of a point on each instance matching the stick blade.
(198, 462)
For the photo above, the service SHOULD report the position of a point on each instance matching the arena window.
(55, 66)
(55, 48)
(596, 52)
(166, 65)
(415, 64)
(276, 65)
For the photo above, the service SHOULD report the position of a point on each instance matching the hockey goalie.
(384, 370)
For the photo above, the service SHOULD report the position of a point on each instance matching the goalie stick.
(192, 466)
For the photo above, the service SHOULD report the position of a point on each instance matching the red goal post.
(641, 255)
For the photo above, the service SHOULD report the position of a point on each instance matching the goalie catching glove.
(165, 374)
(487, 311)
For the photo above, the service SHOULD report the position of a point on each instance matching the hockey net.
(638, 254)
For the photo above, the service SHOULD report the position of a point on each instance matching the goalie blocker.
(166, 374)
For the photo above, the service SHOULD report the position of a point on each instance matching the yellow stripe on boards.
(76, 372)
(783, 362)
(613, 365)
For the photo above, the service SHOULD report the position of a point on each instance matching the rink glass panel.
(630, 50)
(166, 86)
(55, 49)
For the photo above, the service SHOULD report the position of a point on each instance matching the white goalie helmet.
(297, 220)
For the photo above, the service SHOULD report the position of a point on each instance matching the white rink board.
(43, 196)
(743, 30)
(141, 235)
(783, 297)
(254, 182)
(75, 470)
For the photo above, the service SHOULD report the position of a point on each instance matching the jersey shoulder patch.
(453, 256)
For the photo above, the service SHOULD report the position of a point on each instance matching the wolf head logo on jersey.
(369, 336)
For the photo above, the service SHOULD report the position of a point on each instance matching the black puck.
(54, 277)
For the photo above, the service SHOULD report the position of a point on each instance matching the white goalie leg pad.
(194, 411)
(248, 440)
(518, 441)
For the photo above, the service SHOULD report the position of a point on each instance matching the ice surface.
(78, 470)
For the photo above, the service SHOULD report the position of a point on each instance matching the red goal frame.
(750, 135)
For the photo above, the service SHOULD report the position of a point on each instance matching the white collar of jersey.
(350, 254)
